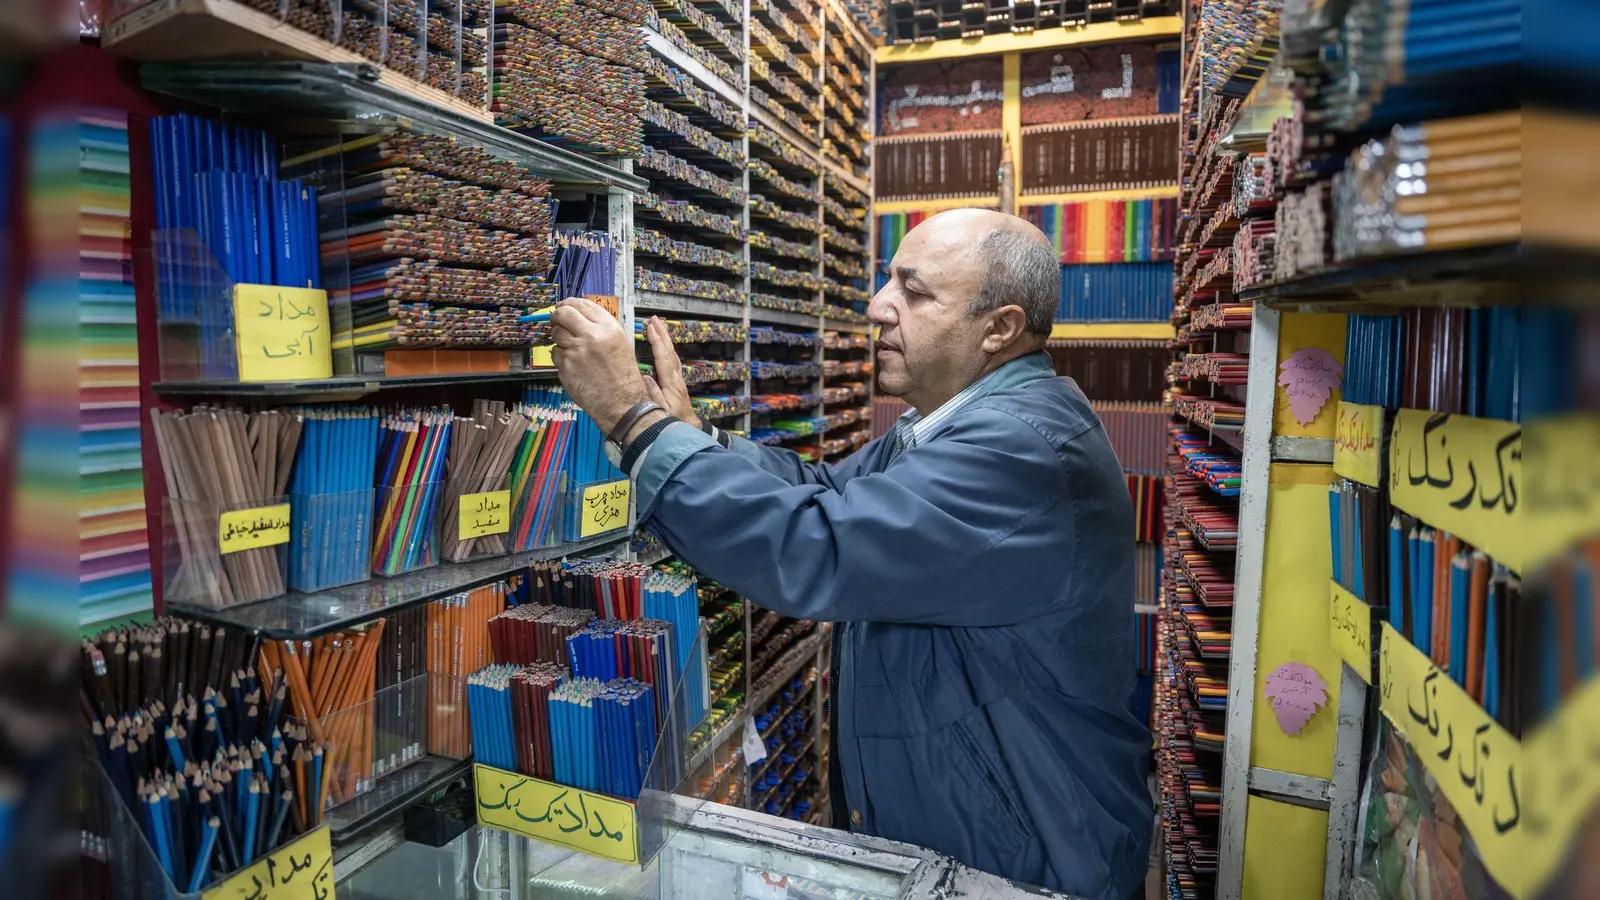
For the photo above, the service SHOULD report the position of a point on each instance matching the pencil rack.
(223, 555)
(407, 534)
(378, 737)
(330, 539)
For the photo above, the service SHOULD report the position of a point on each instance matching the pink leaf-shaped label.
(1309, 377)
(1296, 693)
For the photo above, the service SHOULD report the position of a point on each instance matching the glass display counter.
(712, 852)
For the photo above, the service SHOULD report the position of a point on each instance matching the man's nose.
(880, 311)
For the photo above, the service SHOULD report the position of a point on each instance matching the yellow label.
(1561, 484)
(283, 334)
(604, 508)
(484, 514)
(1463, 475)
(540, 356)
(1477, 764)
(1356, 434)
(580, 820)
(300, 870)
(247, 529)
(1350, 629)
(1560, 782)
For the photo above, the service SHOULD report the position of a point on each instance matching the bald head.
(1019, 265)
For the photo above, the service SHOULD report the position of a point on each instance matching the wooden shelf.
(172, 30)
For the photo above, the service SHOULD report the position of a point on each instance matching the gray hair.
(1019, 268)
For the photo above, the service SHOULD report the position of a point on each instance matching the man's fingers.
(555, 356)
(570, 318)
(653, 390)
(669, 369)
(585, 307)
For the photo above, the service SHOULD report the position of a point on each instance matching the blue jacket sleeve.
(912, 543)
(788, 465)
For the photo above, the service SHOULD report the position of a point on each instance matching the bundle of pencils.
(761, 240)
(331, 497)
(1209, 576)
(494, 739)
(439, 155)
(1444, 184)
(696, 332)
(1462, 609)
(614, 38)
(424, 281)
(602, 734)
(585, 264)
(665, 282)
(1356, 514)
(684, 212)
(423, 325)
(431, 236)
(458, 645)
(411, 458)
(613, 589)
(534, 632)
(401, 189)
(217, 460)
(481, 452)
(196, 746)
(1305, 222)
(678, 124)
(682, 170)
(537, 473)
(584, 461)
(1211, 521)
(330, 685)
(530, 64)
(400, 692)
(1138, 433)
(654, 243)
(1218, 317)
(1219, 469)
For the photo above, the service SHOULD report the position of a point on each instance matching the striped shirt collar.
(913, 427)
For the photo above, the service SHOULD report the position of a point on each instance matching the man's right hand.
(667, 387)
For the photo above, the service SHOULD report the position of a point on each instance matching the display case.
(714, 852)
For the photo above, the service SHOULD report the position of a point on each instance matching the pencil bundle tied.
(226, 520)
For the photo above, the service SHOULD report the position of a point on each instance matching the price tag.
(1476, 762)
(1350, 629)
(481, 515)
(579, 820)
(282, 334)
(604, 507)
(300, 870)
(247, 529)
(1356, 433)
(1560, 783)
(1462, 474)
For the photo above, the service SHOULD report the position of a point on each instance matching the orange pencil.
(1477, 604)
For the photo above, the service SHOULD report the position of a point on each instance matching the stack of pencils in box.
(1212, 522)
(411, 457)
(197, 747)
(482, 448)
(1220, 470)
(457, 645)
(536, 633)
(331, 497)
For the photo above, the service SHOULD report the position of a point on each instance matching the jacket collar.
(914, 427)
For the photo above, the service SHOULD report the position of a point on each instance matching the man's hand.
(595, 359)
(667, 387)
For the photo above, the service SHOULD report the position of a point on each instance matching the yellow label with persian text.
(282, 334)
(247, 529)
(1462, 474)
(481, 515)
(603, 507)
(1476, 762)
(299, 870)
(1560, 783)
(555, 814)
(1350, 629)
(1357, 433)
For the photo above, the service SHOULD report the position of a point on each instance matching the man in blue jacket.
(978, 560)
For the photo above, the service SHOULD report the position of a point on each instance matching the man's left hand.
(596, 361)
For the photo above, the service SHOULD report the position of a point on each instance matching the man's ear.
(1006, 326)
